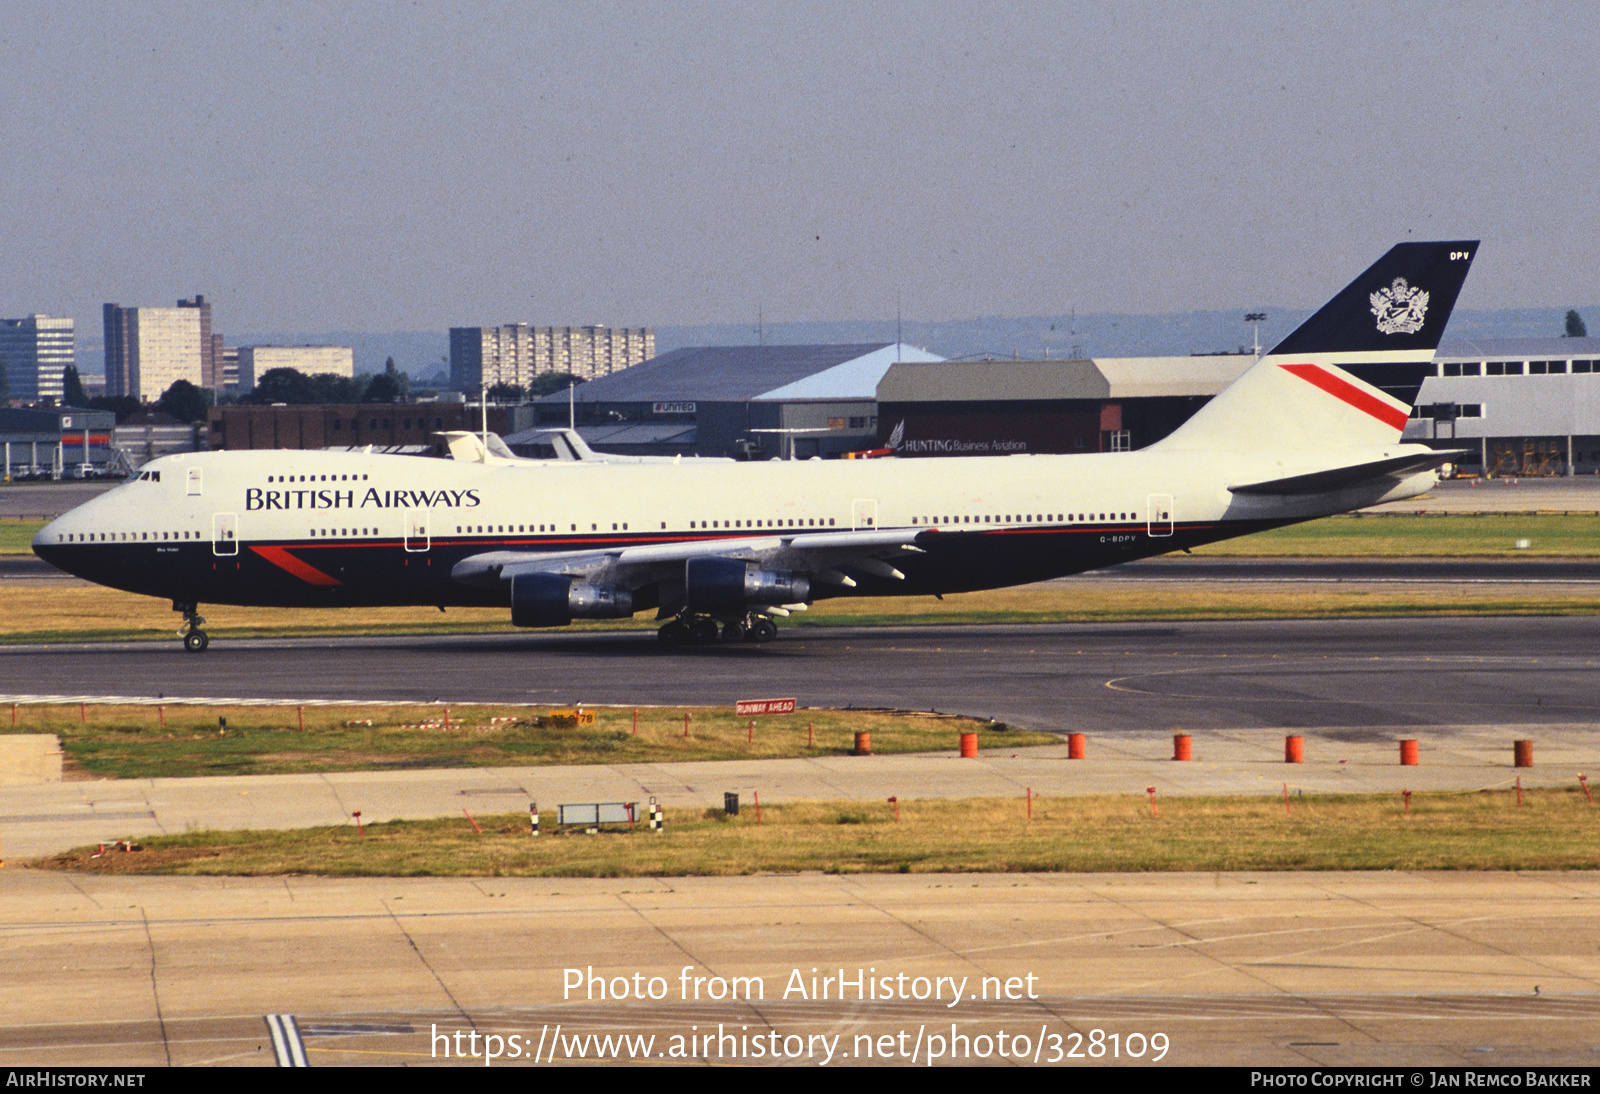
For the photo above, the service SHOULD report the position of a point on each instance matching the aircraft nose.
(46, 535)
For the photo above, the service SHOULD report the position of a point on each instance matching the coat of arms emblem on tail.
(1400, 308)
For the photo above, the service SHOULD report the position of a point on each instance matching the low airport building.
(350, 425)
(151, 434)
(997, 408)
(1518, 406)
(748, 402)
(61, 442)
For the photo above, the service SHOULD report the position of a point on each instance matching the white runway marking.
(286, 1043)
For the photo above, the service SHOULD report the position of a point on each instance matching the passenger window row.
(123, 537)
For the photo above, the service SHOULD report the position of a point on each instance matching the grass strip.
(16, 536)
(1400, 535)
(130, 741)
(1553, 830)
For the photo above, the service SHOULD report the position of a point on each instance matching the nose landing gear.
(194, 639)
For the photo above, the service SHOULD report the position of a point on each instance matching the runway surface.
(1108, 678)
(47, 501)
(1244, 969)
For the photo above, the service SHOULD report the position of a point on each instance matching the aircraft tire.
(196, 641)
(673, 633)
(703, 631)
(734, 631)
(763, 630)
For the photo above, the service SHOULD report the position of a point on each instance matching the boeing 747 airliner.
(719, 549)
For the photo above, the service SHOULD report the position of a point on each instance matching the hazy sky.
(415, 166)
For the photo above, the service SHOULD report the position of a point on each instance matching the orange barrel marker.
(1182, 746)
(1294, 750)
(1522, 752)
(863, 744)
(1074, 746)
(969, 746)
(1408, 753)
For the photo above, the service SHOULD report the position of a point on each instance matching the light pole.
(1255, 319)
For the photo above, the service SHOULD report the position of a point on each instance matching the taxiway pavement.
(1289, 969)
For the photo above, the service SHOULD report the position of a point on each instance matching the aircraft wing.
(817, 554)
(1340, 478)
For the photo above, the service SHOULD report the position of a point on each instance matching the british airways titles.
(257, 498)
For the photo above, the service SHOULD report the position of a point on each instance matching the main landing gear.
(702, 630)
(194, 639)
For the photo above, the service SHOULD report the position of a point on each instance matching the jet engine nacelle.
(554, 600)
(727, 586)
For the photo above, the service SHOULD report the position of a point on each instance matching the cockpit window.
(150, 476)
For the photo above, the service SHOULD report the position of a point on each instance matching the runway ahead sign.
(763, 706)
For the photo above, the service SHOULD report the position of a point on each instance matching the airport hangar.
(1527, 406)
(823, 401)
(55, 442)
(748, 402)
(1517, 406)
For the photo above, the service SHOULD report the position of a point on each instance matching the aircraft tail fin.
(1349, 374)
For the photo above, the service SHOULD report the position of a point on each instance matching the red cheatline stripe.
(1347, 392)
(305, 572)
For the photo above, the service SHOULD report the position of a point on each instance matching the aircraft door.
(1159, 520)
(417, 531)
(225, 533)
(194, 482)
(863, 513)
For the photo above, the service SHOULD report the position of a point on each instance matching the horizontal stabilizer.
(1341, 478)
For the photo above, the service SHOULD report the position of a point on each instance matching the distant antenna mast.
(483, 398)
(899, 335)
(572, 403)
(761, 327)
(1255, 319)
(1072, 336)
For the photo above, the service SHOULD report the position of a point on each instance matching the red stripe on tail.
(1346, 392)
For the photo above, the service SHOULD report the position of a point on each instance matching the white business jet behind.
(722, 548)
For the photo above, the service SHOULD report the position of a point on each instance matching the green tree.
(72, 393)
(548, 383)
(1575, 326)
(283, 385)
(123, 406)
(383, 388)
(184, 402)
(506, 393)
(328, 387)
